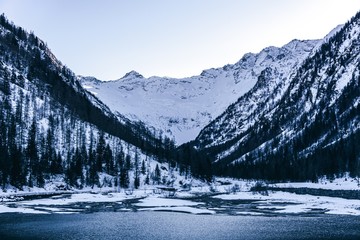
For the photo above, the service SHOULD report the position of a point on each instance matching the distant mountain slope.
(302, 128)
(182, 107)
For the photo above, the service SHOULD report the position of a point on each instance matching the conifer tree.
(136, 170)
(108, 158)
(143, 168)
(157, 175)
(100, 151)
(17, 177)
(33, 157)
(124, 177)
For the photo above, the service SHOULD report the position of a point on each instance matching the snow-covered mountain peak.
(132, 75)
(182, 107)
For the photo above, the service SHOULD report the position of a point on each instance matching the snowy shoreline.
(236, 197)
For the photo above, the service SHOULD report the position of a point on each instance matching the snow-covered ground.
(225, 196)
(291, 203)
(344, 183)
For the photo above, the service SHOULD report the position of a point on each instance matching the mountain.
(288, 113)
(296, 128)
(182, 107)
(50, 126)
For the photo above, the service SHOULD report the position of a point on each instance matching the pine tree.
(136, 170)
(17, 177)
(33, 157)
(124, 177)
(147, 179)
(108, 158)
(157, 175)
(4, 160)
(119, 164)
(136, 181)
(143, 168)
(78, 167)
(100, 152)
(56, 165)
(128, 162)
(92, 178)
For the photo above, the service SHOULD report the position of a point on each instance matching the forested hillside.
(50, 126)
(305, 127)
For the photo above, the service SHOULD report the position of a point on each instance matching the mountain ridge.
(285, 113)
(182, 107)
(305, 126)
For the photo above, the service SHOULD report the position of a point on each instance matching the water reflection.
(167, 225)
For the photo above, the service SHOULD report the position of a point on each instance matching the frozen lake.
(170, 225)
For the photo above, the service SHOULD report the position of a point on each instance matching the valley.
(281, 116)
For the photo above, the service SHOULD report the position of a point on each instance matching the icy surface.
(198, 200)
(283, 202)
(164, 202)
(181, 209)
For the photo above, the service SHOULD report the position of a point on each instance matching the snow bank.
(283, 202)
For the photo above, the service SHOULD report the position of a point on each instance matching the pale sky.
(174, 38)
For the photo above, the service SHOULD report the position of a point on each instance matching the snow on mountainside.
(182, 107)
(300, 128)
(54, 133)
(266, 93)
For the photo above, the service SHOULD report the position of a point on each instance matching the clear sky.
(175, 38)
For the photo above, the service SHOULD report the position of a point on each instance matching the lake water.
(169, 225)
